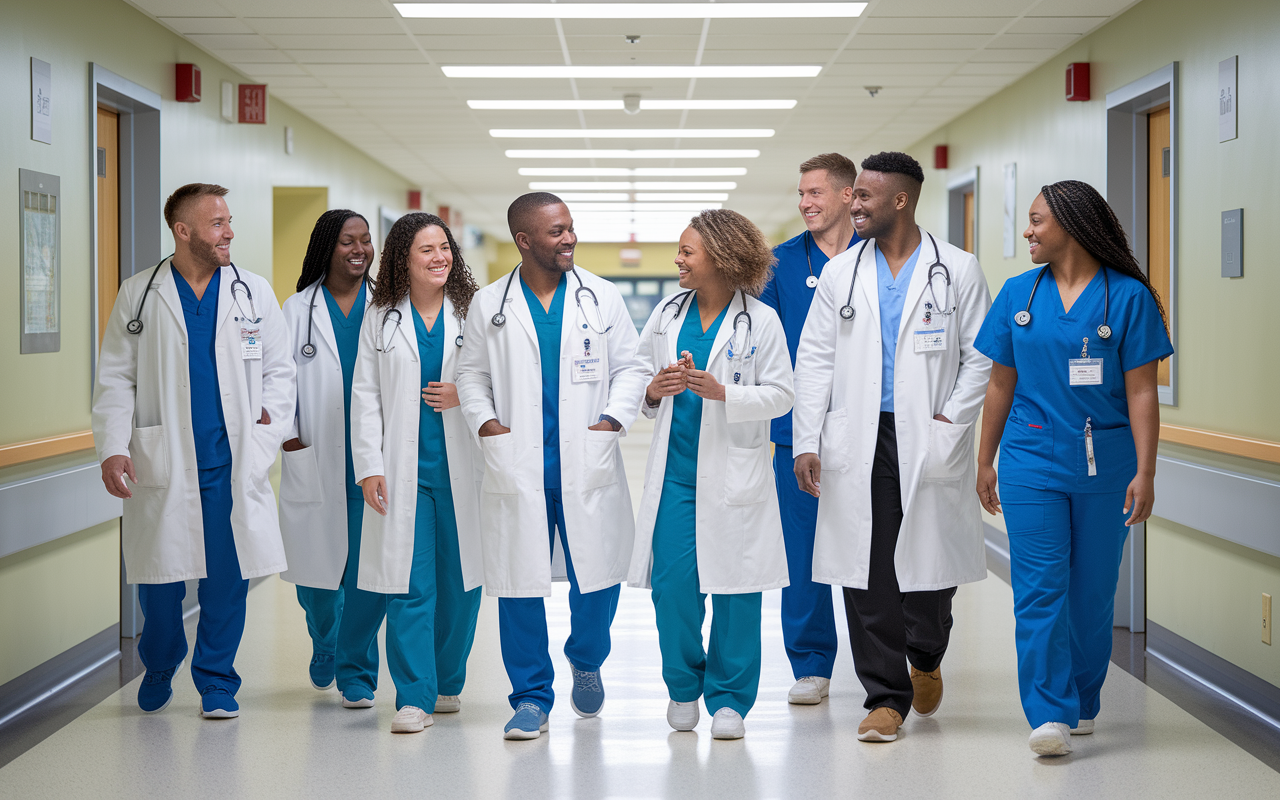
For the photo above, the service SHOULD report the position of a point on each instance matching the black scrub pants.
(887, 627)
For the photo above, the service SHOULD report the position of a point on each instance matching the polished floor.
(292, 741)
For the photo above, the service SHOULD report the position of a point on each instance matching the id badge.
(930, 340)
(250, 340)
(1085, 371)
(586, 364)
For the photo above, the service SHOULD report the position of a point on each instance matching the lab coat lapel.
(519, 308)
(226, 298)
(724, 332)
(408, 328)
(452, 329)
(321, 322)
(919, 280)
(870, 280)
(167, 288)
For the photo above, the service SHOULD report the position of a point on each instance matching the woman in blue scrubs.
(1073, 407)
(415, 459)
(709, 520)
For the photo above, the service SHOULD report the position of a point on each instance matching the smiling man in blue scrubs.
(808, 616)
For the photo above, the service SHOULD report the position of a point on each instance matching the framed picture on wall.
(39, 204)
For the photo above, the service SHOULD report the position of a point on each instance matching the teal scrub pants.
(344, 622)
(727, 674)
(431, 628)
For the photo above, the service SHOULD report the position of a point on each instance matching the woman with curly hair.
(415, 460)
(721, 372)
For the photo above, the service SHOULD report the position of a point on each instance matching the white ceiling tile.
(1032, 56)
(1026, 41)
(230, 41)
(1080, 8)
(324, 26)
(354, 41)
(188, 25)
(254, 56)
(996, 68)
(919, 41)
(948, 8)
(482, 27)
(293, 82)
(1076, 25)
(916, 25)
(265, 71)
(181, 8)
(365, 56)
(309, 9)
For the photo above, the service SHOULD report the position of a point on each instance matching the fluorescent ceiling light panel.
(578, 197)
(631, 133)
(642, 197)
(617, 105)
(633, 154)
(629, 10)
(630, 172)
(632, 72)
(667, 186)
(617, 186)
(687, 207)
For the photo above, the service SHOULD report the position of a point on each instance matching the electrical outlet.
(1266, 618)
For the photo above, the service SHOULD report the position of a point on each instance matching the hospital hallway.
(293, 741)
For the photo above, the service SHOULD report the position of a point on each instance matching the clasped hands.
(675, 378)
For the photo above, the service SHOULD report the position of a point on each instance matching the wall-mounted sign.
(1010, 210)
(228, 101)
(39, 201)
(1227, 99)
(41, 101)
(253, 104)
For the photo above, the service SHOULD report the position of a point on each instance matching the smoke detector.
(631, 103)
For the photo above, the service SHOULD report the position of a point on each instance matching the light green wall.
(56, 595)
(1198, 586)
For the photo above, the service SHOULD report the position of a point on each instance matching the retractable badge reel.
(1085, 371)
(931, 334)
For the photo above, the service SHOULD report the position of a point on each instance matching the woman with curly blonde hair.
(715, 387)
(413, 458)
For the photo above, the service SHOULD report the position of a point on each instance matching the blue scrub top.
(433, 459)
(346, 330)
(548, 325)
(208, 424)
(789, 295)
(686, 407)
(1043, 445)
(893, 296)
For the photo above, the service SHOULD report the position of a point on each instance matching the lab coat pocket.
(499, 464)
(300, 477)
(950, 451)
(747, 476)
(149, 450)
(834, 444)
(600, 467)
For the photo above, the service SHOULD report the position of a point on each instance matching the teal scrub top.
(1043, 445)
(893, 296)
(208, 424)
(433, 459)
(346, 330)
(548, 325)
(686, 407)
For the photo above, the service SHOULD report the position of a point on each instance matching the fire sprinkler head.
(631, 103)
(632, 38)
(872, 90)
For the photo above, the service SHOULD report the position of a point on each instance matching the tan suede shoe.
(928, 691)
(881, 725)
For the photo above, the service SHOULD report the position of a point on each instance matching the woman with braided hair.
(321, 507)
(1073, 407)
(416, 462)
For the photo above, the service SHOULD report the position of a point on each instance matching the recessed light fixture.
(637, 72)
(632, 172)
(617, 186)
(631, 133)
(617, 105)
(661, 197)
(629, 10)
(633, 153)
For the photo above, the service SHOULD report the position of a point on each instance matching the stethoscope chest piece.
(458, 341)
(1023, 318)
(811, 281)
(309, 350)
(134, 326)
(1104, 331)
(846, 312)
(499, 320)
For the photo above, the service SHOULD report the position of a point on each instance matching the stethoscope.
(135, 325)
(1023, 318)
(812, 280)
(740, 354)
(309, 349)
(499, 319)
(381, 344)
(847, 312)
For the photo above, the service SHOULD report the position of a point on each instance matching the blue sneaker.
(528, 723)
(322, 671)
(156, 691)
(217, 703)
(588, 693)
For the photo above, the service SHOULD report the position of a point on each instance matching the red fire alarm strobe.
(940, 157)
(1078, 81)
(188, 83)
(253, 103)
(415, 200)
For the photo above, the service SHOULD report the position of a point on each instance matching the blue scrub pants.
(808, 614)
(727, 674)
(430, 629)
(222, 594)
(522, 626)
(1064, 560)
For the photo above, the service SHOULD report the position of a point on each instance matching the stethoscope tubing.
(1023, 317)
(135, 325)
(499, 319)
(847, 311)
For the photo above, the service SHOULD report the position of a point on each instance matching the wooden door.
(108, 169)
(1159, 166)
(969, 230)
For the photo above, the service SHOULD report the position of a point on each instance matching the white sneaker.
(1083, 728)
(809, 691)
(682, 716)
(1051, 739)
(448, 704)
(359, 702)
(411, 719)
(727, 724)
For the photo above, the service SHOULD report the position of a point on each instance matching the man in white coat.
(195, 390)
(549, 380)
(888, 386)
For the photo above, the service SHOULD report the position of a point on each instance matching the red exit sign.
(253, 103)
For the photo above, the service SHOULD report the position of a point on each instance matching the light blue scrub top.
(548, 325)
(433, 459)
(1043, 445)
(686, 407)
(208, 424)
(893, 296)
(346, 330)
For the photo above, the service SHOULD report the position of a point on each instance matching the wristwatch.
(617, 426)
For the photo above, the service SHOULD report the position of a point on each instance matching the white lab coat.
(386, 399)
(313, 491)
(500, 377)
(142, 409)
(738, 529)
(837, 381)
